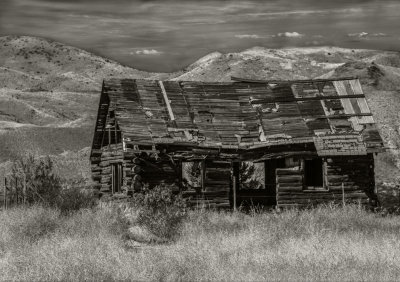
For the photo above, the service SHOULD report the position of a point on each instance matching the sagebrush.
(33, 181)
(160, 210)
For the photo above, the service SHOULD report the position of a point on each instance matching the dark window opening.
(116, 178)
(192, 175)
(313, 173)
(252, 176)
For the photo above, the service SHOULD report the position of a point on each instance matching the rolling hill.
(49, 91)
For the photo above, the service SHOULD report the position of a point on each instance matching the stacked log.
(216, 186)
(349, 178)
(101, 167)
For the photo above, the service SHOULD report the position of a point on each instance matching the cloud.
(244, 36)
(367, 35)
(148, 52)
(290, 34)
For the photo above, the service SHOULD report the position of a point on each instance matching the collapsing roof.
(332, 114)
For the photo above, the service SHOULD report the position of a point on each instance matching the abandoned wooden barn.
(225, 144)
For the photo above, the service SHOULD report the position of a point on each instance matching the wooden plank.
(171, 114)
(362, 103)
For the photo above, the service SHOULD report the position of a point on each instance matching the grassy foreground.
(328, 243)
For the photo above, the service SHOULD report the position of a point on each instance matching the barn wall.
(355, 172)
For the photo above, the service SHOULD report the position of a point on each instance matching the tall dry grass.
(327, 243)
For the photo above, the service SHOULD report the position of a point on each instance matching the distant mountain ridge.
(50, 88)
(30, 63)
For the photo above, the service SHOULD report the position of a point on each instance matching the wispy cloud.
(147, 52)
(293, 34)
(245, 36)
(367, 35)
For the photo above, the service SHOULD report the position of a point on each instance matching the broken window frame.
(263, 182)
(201, 174)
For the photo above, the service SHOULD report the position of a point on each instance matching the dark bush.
(33, 181)
(161, 211)
(73, 197)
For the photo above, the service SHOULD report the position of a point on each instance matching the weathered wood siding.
(217, 182)
(355, 173)
(216, 186)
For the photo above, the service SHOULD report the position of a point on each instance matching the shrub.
(32, 180)
(74, 196)
(161, 211)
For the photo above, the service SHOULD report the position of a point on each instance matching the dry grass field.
(326, 243)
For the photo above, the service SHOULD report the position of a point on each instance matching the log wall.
(356, 173)
(216, 186)
(101, 162)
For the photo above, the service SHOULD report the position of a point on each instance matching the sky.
(168, 35)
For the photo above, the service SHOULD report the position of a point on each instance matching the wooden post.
(24, 190)
(109, 139)
(5, 193)
(234, 193)
(16, 189)
(115, 130)
(235, 179)
(343, 194)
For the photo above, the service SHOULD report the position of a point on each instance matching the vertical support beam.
(24, 190)
(234, 193)
(109, 138)
(16, 189)
(119, 177)
(325, 182)
(277, 189)
(344, 203)
(115, 131)
(235, 184)
(203, 175)
(112, 179)
(5, 193)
